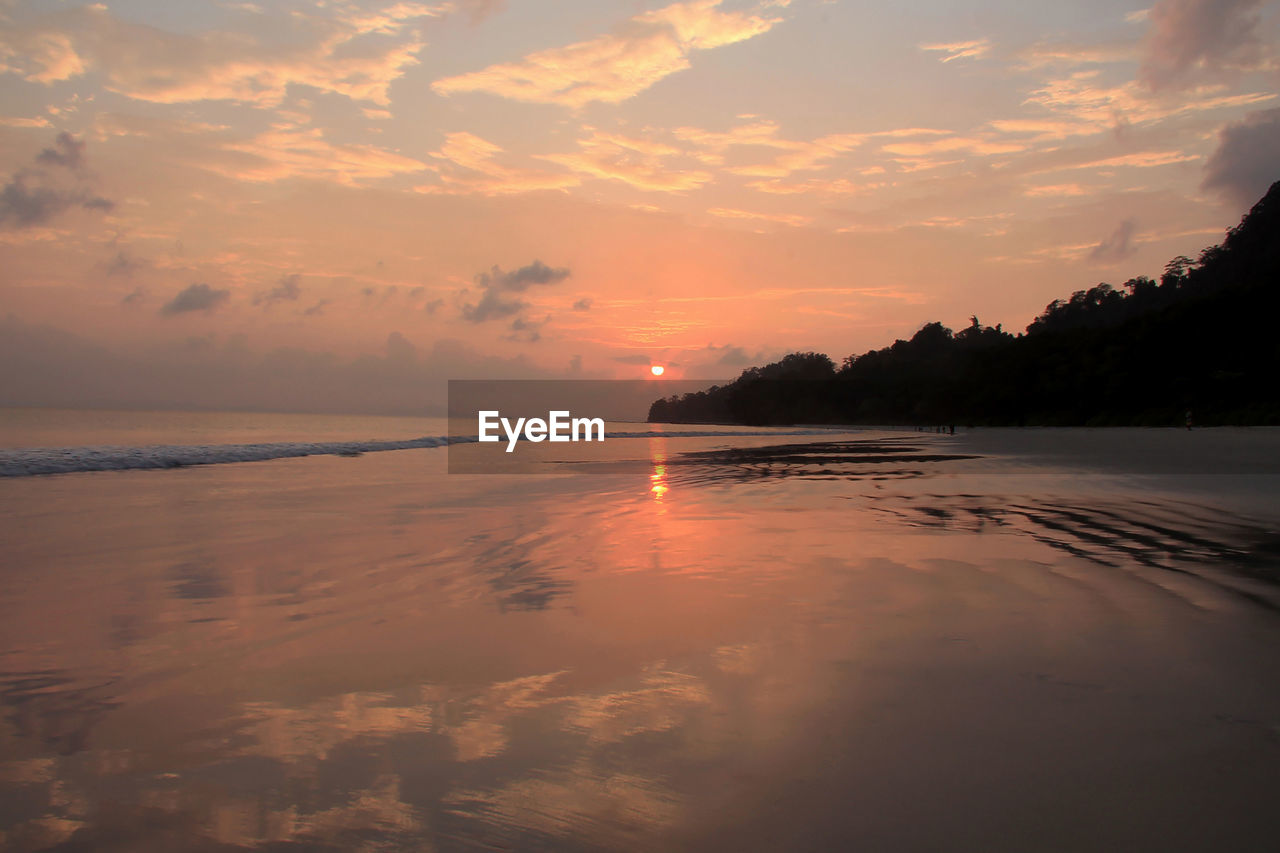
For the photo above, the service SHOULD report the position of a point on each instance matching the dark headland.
(1201, 345)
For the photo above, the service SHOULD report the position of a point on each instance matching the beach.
(1001, 640)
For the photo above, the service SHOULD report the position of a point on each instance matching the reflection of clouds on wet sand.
(483, 728)
(592, 665)
(293, 734)
(496, 728)
(740, 659)
(592, 808)
(378, 808)
(366, 818)
(663, 702)
(39, 833)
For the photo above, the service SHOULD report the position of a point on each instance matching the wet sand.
(890, 642)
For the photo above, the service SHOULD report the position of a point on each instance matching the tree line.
(1205, 338)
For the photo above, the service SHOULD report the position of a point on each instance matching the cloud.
(495, 285)
(317, 309)
(782, 218)
(355, 53)
(1117, 246)
(1136, 160)
(24, 205)
(1053, 190)
(526, 330)
(478, 10)
(614, 67)
(387, 20)
(124, 264)
(1187, 35)
(290, 152)
(1044, 54)
(835, 186)
(802, 156)
(19, 121)
(399, 349)
(482, 175)
(52, 185)
(1045, 130)
(1247, 159)
(287, 289)
(731, 356)
(960, 49)
(521, 279)
(66, 151)
(712, 147)
(197, 297)
(492, 306)
(947, 144)
(583, 304)
(1094, 107)
(635, 162)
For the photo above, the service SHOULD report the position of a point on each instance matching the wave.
(31, 462)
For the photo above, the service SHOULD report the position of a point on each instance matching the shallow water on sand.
(885, 642)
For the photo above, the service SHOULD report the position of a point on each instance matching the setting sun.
(657, 370)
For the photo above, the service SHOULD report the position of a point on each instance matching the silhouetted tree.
(1203, 338)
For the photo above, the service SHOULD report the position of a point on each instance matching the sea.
(240, 631)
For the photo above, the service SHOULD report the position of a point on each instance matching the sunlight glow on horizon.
(334, 206)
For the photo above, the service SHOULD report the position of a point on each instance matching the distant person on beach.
(1188, 419)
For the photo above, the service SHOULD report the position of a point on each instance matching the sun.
(657, 370)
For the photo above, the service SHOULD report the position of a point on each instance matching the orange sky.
(232, 203)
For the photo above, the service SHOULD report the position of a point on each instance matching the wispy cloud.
(614, 67)
(960, 49)
(781, 218)
(1134, 160)
(1091, 104)
(1055, 190)
(355, 53)
(472, 167)
(1067, 54)
(282, 152)
(796, 155)
(289, 152)
(818, 186)
(636, 162)
(970, 144)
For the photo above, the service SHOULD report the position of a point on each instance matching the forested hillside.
(1204, 338)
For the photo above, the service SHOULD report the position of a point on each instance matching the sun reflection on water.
(658, 477)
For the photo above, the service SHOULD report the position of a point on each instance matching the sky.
(333, 206)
